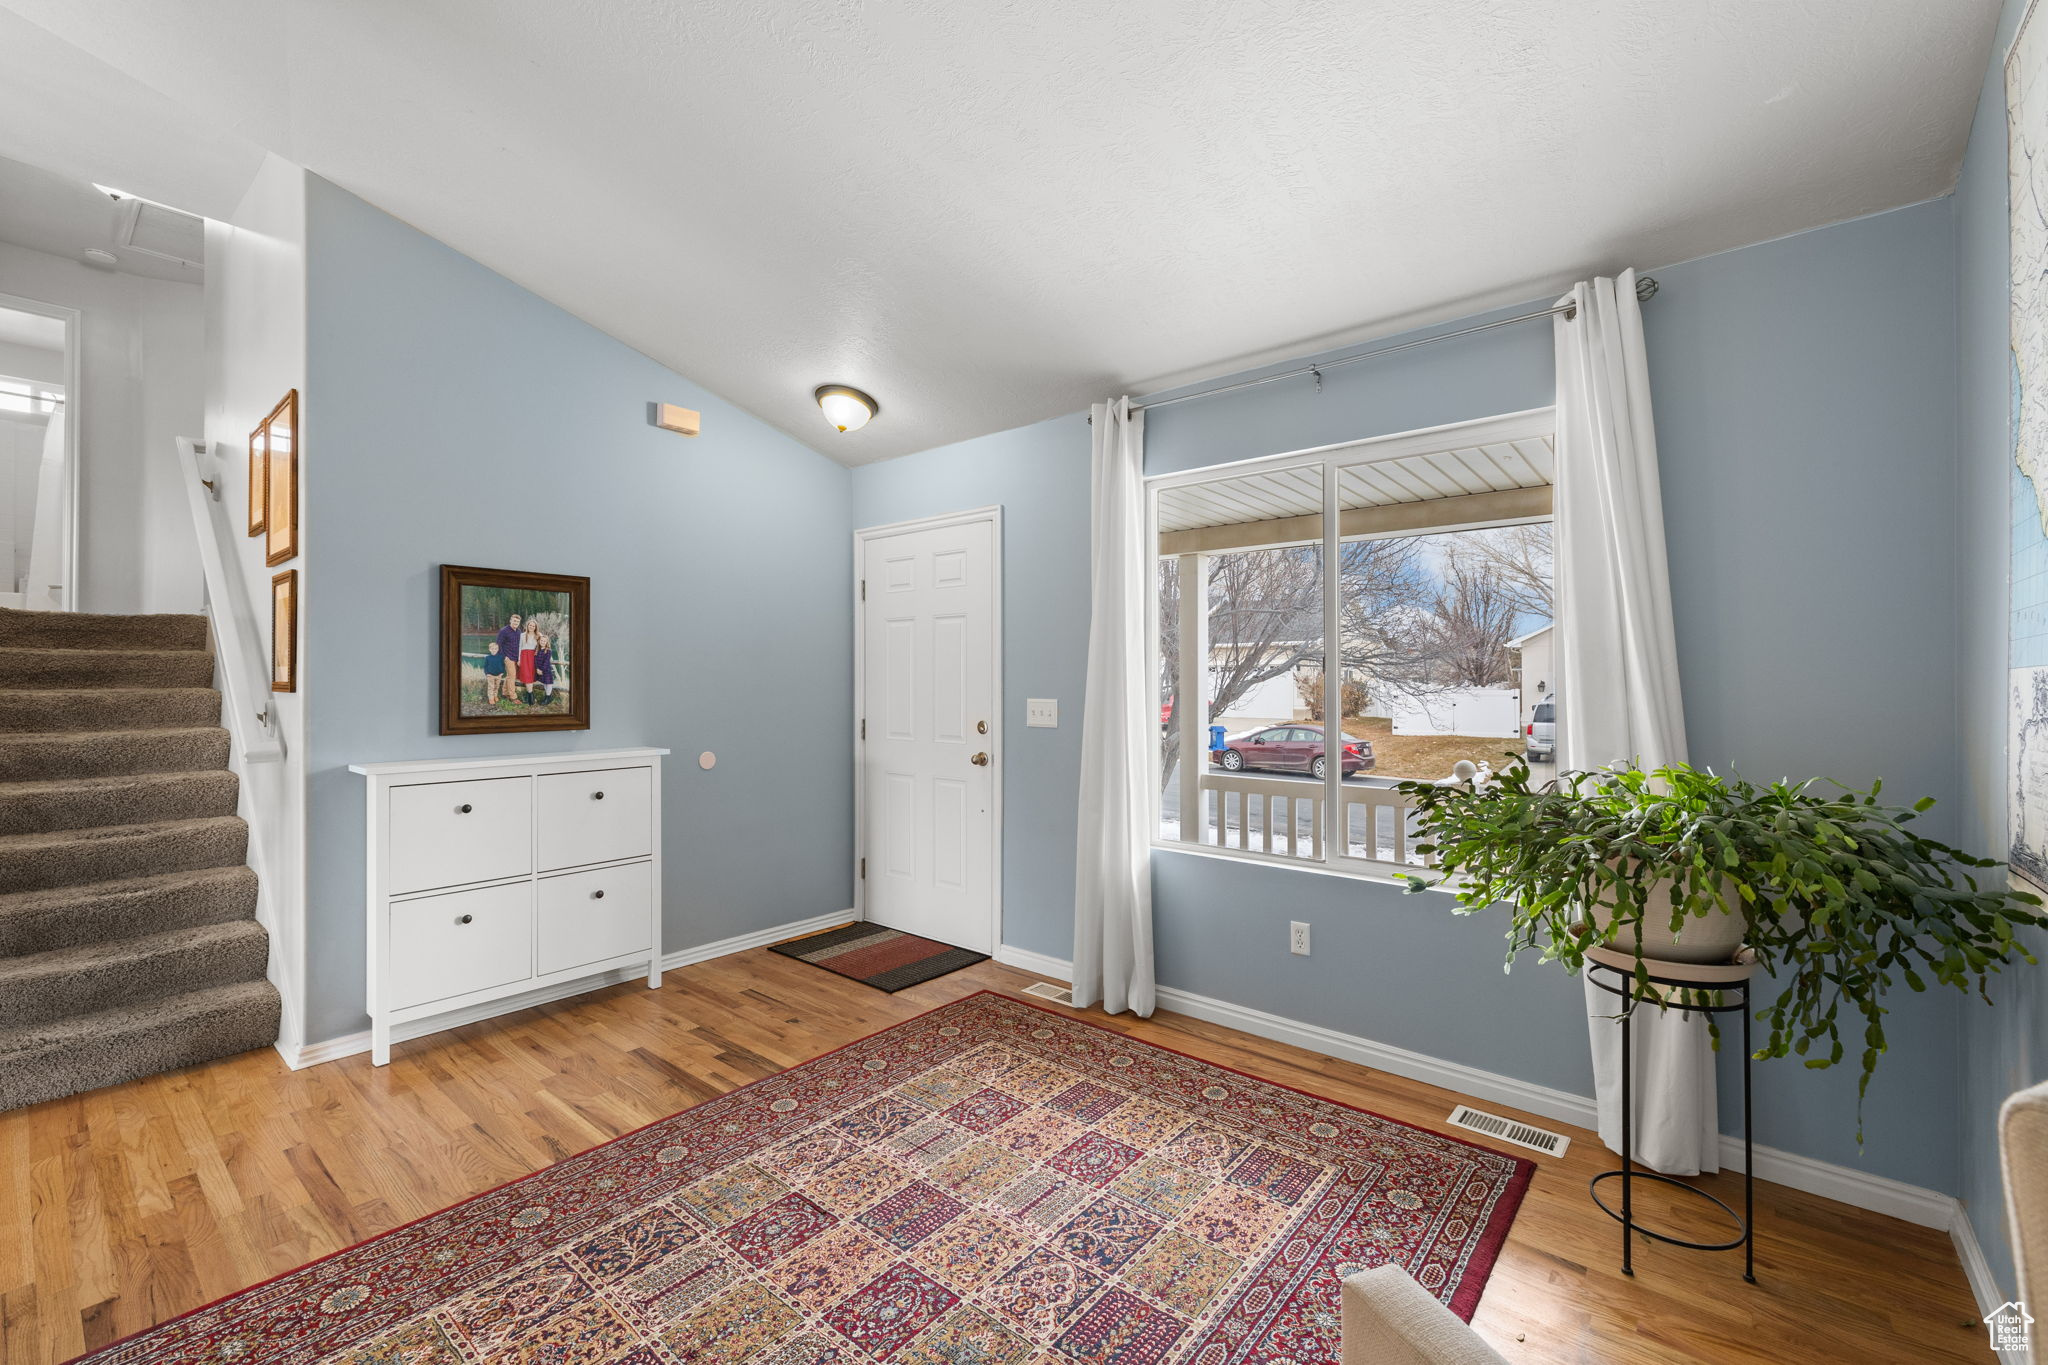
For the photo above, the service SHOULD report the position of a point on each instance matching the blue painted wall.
(465, 421)
(1805, 394)
(2003, 1046)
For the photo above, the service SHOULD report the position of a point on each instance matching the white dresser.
(499, 878)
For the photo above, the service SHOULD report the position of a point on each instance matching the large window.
(1430, 641)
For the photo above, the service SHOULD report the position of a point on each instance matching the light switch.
(1043, 712)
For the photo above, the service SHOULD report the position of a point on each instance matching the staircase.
(128, 938)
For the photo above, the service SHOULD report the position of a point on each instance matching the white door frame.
(993, 515)
(74, 405)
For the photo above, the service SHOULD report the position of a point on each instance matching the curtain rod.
(1646, 289)
(33, 397)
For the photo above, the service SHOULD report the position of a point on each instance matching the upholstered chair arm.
(1388, 1319)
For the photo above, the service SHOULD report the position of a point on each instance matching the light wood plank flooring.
(127, 1206)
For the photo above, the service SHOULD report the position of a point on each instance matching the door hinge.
(863, 590)
(863, 869)
(863, 728)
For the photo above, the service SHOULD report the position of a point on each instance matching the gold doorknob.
(979, 760)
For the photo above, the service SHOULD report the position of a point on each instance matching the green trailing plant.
(1844, 899)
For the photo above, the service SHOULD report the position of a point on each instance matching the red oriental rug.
(988, 1182)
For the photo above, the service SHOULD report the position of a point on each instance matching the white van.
(1541, 732)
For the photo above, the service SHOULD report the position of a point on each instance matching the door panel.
(928, 623)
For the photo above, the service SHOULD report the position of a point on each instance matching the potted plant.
(1833, 892)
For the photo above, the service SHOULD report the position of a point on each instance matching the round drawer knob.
(597, 895)
(465, 919)
(597, 796)
(463, 809)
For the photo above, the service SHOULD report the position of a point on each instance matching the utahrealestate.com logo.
(2009, 1323)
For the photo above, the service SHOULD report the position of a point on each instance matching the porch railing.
(1284, 817)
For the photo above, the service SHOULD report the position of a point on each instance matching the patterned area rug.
(986, 1184)
(886, 959)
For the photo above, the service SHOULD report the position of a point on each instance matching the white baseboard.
(348, 1045)
(1470, 1081)
(1024, 960)
(1914, 1204)
(1983, 1285)
(1911, 1203)
(759, 938)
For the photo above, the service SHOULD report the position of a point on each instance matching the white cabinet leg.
(654, 973)
(380, 1043)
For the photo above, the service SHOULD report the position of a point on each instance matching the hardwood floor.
(127, 1206)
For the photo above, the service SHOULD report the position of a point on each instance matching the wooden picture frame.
(284, 631)
(515, 651)
(259, 480)
(281, 481)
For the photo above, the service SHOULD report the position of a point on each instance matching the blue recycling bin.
(1215, 738)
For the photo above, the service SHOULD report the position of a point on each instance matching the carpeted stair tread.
(85, 1051)
(84, 630)
(109, 708)
(128, 938)
(102, 976)
(76, 857)
(85, 802)
(111, 753)
(97, 912)
(122, 668)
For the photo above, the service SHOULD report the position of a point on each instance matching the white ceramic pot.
(1712, 937)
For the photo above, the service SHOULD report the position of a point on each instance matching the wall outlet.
(1297, 938)
(1043, 712)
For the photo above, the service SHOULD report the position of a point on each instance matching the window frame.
(1335, 835)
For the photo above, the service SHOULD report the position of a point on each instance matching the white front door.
(928, 761)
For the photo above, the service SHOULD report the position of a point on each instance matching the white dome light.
(845, 408)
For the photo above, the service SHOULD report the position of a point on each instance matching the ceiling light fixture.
(845, 408)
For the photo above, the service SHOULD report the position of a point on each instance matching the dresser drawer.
(591, 916)
(449, 945)
(451, 833)
(595, 817)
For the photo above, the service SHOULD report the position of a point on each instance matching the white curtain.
(1618, 695)
(1113, 876)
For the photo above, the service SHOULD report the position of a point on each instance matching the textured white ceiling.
(54, 213)
(990, 213)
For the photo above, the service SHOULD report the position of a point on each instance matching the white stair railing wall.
(255, 744)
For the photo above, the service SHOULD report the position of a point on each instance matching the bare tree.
(1521, 562)
(1384, 590)
(1265, 618)
(1471, 619)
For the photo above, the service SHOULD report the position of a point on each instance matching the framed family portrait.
(515, 651)
(280, 435)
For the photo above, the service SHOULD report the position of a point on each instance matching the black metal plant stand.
(1614, 972)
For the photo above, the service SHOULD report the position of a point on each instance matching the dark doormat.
(886, 959)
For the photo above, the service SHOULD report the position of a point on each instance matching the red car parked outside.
(1290, 749)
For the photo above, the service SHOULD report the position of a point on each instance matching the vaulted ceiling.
(987, 214)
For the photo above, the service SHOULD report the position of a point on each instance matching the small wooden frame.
(284, 631)
(281, 481)
(515, 651)
(259, 480)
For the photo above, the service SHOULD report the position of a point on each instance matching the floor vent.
(1509, 1130)
(1046, 990)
